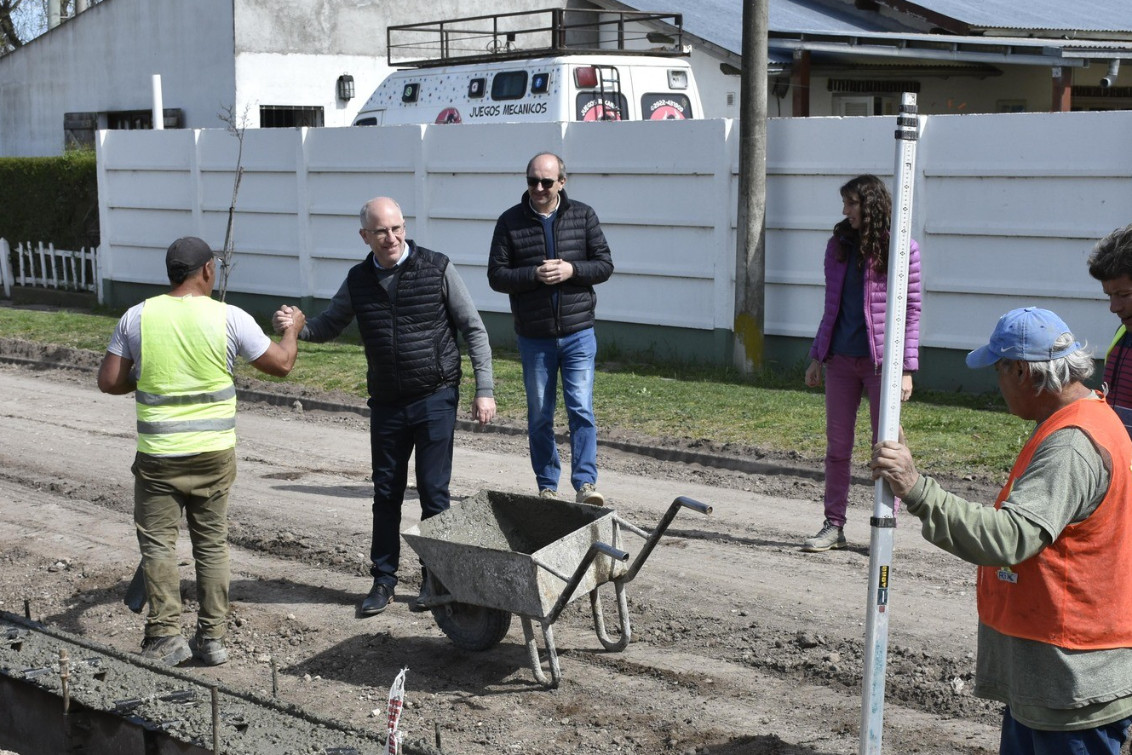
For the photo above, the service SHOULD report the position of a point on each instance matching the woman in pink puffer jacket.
(850, 339)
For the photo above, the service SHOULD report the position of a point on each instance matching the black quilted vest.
(410, 342)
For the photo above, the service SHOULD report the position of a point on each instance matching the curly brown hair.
(876, 211)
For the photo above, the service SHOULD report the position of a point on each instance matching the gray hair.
(1053, 375)
(1112, 256)
(364, 216)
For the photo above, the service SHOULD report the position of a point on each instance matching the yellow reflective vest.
(185, 399)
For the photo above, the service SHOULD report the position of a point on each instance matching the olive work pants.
(198, 485)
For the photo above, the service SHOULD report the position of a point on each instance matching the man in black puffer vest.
(409, 302)
(548, 253)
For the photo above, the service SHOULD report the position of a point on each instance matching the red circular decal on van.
(449, 115)
(667, 113)
(600, 113)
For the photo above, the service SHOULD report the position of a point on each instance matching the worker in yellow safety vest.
(176, 352)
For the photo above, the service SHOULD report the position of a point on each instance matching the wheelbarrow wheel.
(471, 627)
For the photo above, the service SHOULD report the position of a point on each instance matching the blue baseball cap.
(1026, 335)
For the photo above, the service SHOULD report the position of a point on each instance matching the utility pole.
(750, 254)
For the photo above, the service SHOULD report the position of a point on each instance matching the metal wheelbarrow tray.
(497, 554)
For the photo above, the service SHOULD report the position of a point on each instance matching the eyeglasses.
(546, 183)
(395, 230)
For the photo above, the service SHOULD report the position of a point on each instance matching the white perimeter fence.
(1007, 208)
(47, 267)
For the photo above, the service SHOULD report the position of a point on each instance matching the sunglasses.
(546, 183)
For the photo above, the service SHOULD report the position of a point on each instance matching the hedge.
(50, 199)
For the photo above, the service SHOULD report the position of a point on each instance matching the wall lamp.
(345, 87)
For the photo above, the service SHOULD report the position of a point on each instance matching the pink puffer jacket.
(876, 298)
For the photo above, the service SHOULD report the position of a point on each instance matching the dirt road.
(743, 644)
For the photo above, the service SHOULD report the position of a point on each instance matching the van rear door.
(598, 94)
(666, 93)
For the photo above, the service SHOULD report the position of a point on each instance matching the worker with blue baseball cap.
(1054, 553)
(1027, 335)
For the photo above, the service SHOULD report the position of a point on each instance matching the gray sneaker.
(171, 650)
(829, 537)
(548, 493)
(210, 652)
(588, 494)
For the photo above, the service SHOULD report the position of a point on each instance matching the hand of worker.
(813, 374)
(297, 321)
(282, 318)
(906, 386)
(553, 272)
(483, 409)
(892, 461)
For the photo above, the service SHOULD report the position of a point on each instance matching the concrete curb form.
(681, 456)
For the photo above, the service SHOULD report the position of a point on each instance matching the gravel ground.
(741, 643)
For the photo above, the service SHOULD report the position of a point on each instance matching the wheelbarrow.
(497, 554)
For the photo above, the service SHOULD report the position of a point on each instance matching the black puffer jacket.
(410, 342)
(518, 248)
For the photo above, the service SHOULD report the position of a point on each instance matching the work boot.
(420, 603)
(209, 651)
(588, 494)
(548, 493)
(171, 650)
(378, 598)
(829, 537)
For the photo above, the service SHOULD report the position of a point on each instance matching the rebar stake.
(64, 678)
(215, 719)
(274, 679)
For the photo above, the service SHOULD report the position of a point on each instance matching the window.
(865, 105)
(509, 85)
(134, 119)
(289, 116)
(540, 83)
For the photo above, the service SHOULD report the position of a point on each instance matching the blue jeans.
(542, 360)
(426, 425)
(1018, 739)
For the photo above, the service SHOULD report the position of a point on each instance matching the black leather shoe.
(419, 604)
(377, 600)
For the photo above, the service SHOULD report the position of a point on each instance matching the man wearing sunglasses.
(548, 252)
(409, 303)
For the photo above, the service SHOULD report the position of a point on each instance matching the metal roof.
(994, 50)
(720, 21)
(808, 25)
(1039, 15)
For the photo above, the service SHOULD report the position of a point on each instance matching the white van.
(562, 88)
(551, 65)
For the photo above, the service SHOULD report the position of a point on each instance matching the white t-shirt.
(245, 337)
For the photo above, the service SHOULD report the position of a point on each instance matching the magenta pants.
(847, 379)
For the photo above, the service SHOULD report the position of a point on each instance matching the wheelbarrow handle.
(610, 551)
(653, 537)
(580, 572)
(693, 504)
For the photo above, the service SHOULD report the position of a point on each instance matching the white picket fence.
(47, 267)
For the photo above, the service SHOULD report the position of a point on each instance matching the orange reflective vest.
(1077, 592)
